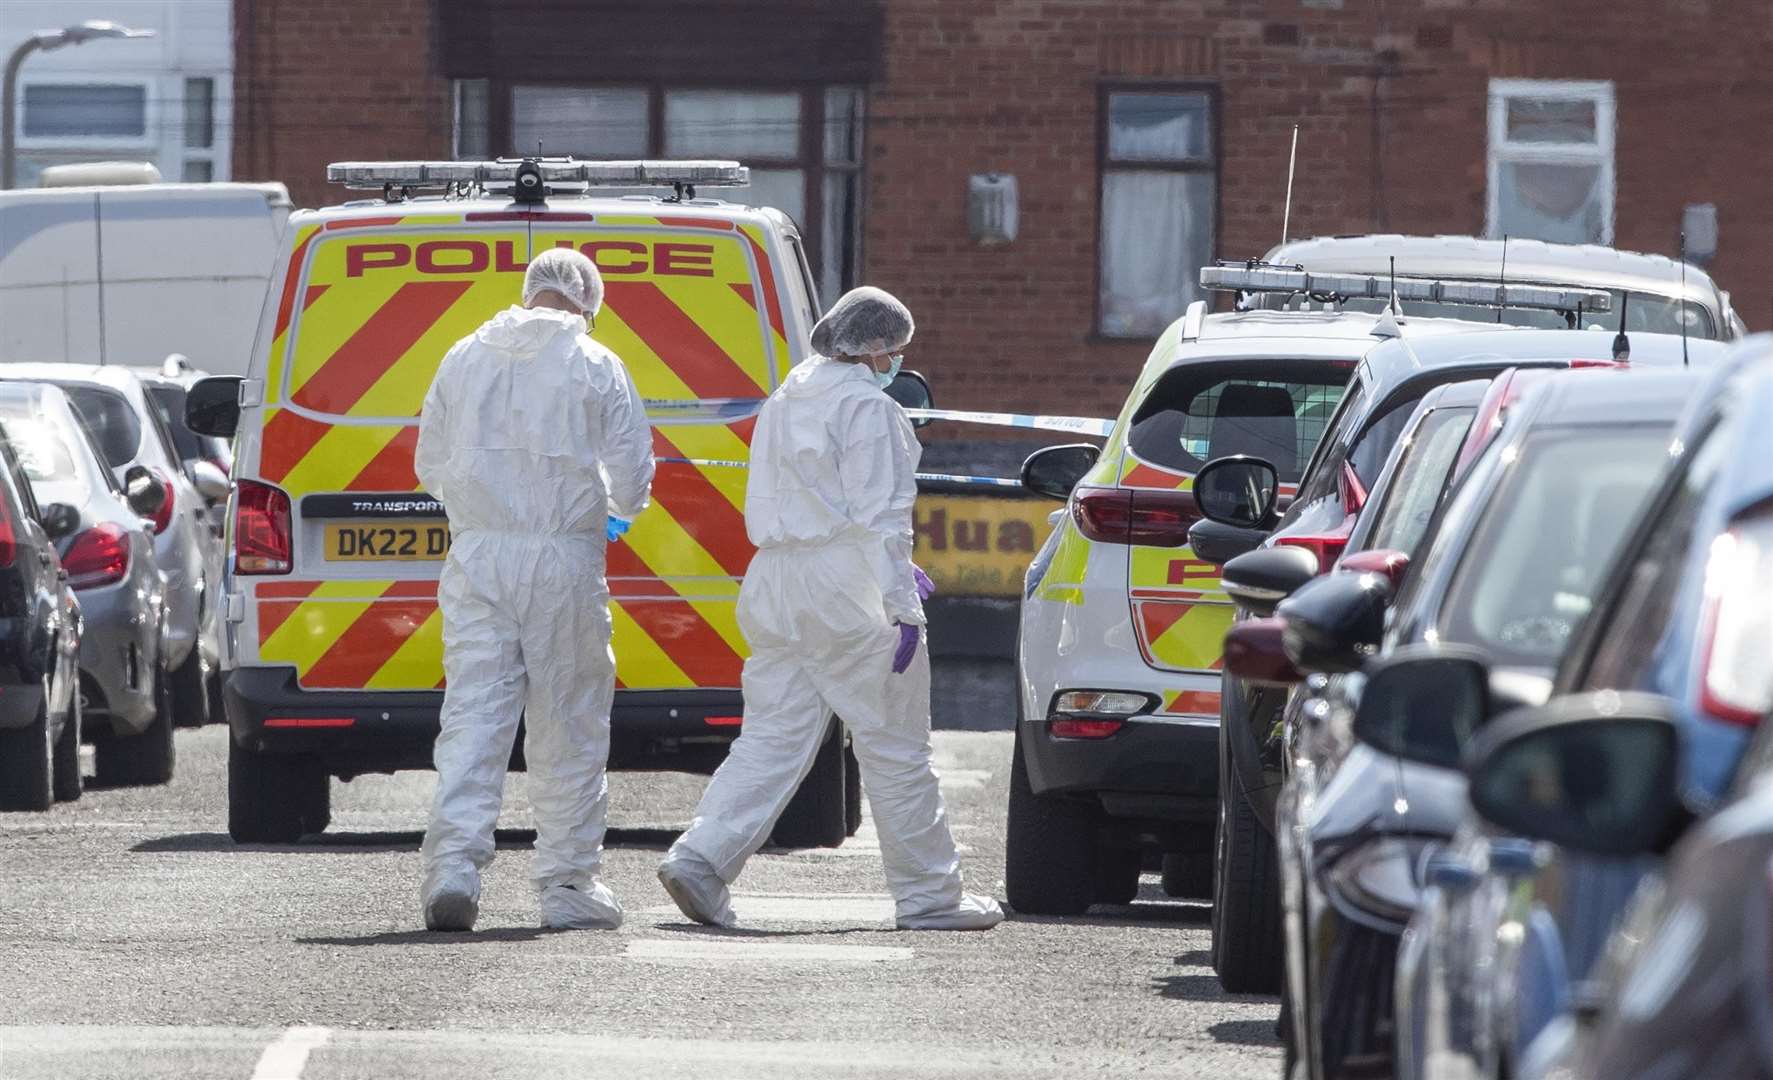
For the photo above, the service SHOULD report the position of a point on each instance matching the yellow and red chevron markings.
(1190, 703)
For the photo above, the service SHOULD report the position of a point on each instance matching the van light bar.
(378, 175)
(1342, 287)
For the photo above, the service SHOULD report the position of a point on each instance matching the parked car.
(1387, 387)
(108, 556)
(40, 722)
(1356, 823)
(1498, 968)
(1651, 293)
(1118, 648)
(113, 404)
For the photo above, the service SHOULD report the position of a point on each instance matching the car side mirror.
(912, 391)
(1239, 490)
(1596, 772)
(1334, 622)
(212, 406)
(59, 520)
(209, 480)
(1219, 544)
(1423, 702)
(143, 491)
(1254, 653)
(1054, 470)
(1259, 580)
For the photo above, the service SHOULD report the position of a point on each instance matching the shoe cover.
(567, 907)
(974, 912)
(698, 891)
(452, 900)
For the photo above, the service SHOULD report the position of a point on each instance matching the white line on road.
(285, 1058)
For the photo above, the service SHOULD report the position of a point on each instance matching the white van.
(128, 274)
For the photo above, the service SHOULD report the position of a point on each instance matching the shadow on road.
(1245, 1032)
(1203, 987)
(1128, 915)
(332, 843)
(427, 937)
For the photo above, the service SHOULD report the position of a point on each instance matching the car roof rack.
(1259, 277)
(399, 180)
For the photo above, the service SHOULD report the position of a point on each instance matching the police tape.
(943, 478)
(1077, 425)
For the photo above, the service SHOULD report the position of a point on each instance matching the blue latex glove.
(907, 648)
(925, 587)
(613, 530)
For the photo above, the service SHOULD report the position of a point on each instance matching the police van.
(334, 651)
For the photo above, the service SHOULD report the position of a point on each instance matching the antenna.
(1621, 343)
(1292, 160)
(1681, 312)
(1393, 302)
(1502, 279)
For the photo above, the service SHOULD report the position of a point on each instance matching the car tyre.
(1188, 875)
(276, 798)
(27, 763)
(190, 692)
(1117, 874)
(1246, 894)
(852, 792)
(67, 781)
(144, 759)
(1050, 849)
(817, 816)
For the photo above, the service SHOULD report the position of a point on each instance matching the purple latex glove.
(925, 587)
(907, 648)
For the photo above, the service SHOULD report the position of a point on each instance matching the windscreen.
(1275, 410)
(1523, 585)
(169, 402)
(1420, 478)
(46, 455)
(113, 423)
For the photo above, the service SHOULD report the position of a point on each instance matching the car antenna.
(1621, 343)
(1287, 212)
(1395, 308)
(1682, 315)
(1502, 280)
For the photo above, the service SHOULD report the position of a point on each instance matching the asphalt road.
(137, 941)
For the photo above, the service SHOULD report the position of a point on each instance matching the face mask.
(885, 378)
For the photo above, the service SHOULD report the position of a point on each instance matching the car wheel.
(1246, 894)
(816, 816)
(1188, 875)
(852, 792)
(67, 781)
(1050, 849)
(190, 694)
(147, 758)
(276, 798)
(27, 762)
(1117, 874)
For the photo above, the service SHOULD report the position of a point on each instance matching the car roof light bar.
(1268, 278)
(383, 175)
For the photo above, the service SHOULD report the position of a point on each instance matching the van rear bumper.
(358, 731)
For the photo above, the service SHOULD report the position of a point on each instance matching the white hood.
(523, 331)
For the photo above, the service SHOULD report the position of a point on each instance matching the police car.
(333, 643)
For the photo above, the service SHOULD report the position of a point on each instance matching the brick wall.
(1012, 85)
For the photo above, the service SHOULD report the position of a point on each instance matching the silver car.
(108, 557)
(113, 404)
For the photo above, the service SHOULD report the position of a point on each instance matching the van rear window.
(1272, 409)
(691, 310)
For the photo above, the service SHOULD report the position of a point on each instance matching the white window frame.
(149, 139)
(1600, 152)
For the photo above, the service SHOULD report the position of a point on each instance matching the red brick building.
(1143, 135)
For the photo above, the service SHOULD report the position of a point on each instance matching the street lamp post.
(44, 41)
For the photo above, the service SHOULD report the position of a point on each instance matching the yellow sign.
(974, 545)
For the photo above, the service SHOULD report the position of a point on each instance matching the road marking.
(285, 1058)
(862, 911)
(759, 952)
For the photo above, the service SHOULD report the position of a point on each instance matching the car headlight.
(1382, 877)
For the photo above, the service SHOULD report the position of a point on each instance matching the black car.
(1388, 385)
(39, 649)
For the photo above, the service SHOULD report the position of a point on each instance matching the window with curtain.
(1159, 207)
(103, 111)
(803, 145)
(1551, 160)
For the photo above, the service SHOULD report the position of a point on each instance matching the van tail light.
(8, 536)
(261, 529)
(1326, 546)
(163, 516)
(98, 556)
(1737, 685)
(1133, 516)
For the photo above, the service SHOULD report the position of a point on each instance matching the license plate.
(419, 541)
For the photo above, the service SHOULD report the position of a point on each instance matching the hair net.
(567, 272)
(864, 321)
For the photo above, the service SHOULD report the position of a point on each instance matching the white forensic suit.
(531, 435)
(828, 506)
